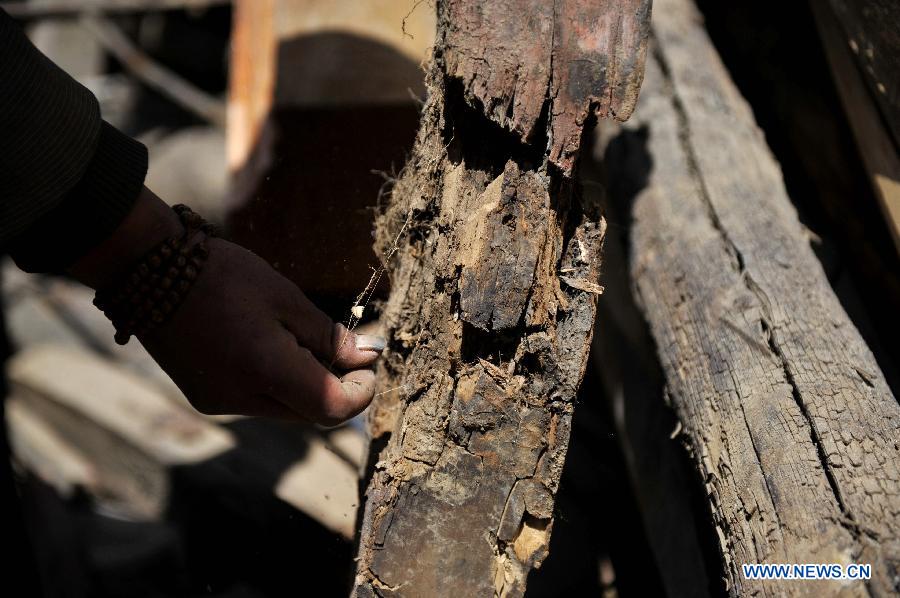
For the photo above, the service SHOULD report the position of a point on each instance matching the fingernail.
(367, 342)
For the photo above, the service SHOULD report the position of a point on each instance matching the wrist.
(149, 222)
(145, 295)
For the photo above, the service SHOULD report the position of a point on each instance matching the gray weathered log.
(494, 290)
(665, 488)
(786, 413)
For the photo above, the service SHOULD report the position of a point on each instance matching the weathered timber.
(494, 290)
(669, 498)
(589, 55)
(795, 98)
(788, 417)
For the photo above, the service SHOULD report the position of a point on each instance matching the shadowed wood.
(788, 417)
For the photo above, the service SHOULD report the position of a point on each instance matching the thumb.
(331, 342)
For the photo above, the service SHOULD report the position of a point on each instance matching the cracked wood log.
(786, 413)
(495, 284)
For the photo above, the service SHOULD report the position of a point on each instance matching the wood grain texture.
(490, 317)
(789, 420)
(509, 52)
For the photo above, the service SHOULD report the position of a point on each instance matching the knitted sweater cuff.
(91, 211)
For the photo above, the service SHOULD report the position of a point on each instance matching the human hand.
(246, 340)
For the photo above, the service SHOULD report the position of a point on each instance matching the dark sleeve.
(67, 178)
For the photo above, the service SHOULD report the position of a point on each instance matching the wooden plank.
(324, 486)
(127, 428)
(876, 146)
(251, 85)
(494, 290)
(38, 448)
(31, 321)
(788, 417)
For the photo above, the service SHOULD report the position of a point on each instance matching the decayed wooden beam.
(495, 274)
(788, 417)
(589, 55)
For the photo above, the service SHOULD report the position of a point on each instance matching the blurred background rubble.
(129, 491)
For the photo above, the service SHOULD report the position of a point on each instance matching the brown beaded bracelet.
(150, 292)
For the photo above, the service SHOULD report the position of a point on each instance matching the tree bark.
(786, 413)
(495, 272)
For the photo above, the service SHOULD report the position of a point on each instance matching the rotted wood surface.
(494, 290)
(786, 413)
(589, 56)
